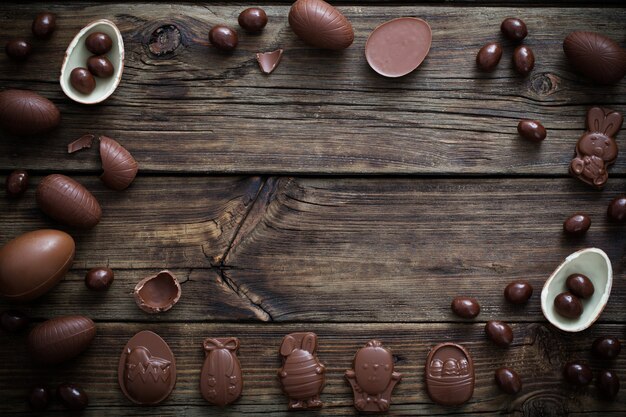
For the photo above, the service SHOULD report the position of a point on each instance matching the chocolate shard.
(60, 339)
(320, 25)
(83, 142)
(119, 166)
(449, 374)
(221, 377)
(268, 61)
(157, 293)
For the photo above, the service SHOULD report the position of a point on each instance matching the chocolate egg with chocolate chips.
(320, 25)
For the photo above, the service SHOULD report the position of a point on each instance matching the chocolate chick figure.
(597, 149)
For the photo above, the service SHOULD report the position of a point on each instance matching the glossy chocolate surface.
(157, 293)
(373, 378)
(399, 46)
(320, 25)
(523, 60)
(577, 373)
(608, 384)
(580, 285)
(68, 202)
(568, 305)
(82, 142)
(531, 130)
(253, 19)
(596, 149)
(18, 49)
(39, 398)
(606, 347)
(223, 38)
(616, 211)
(24, 113)
(465, 307)
(17, 183)
(118, 165)
(514, 29)
(489, 56)
(268, 61)
(596, 56)
(147, 369)
(13, 321)
(499, 333)
(60, 339)
(577, 224)
(98, 43)
(302, 375)
(82, 80)
(44, 25)
(99, 279)
(449, 374)
(100, 66)
(518, 292)
(221, 379)
(33, 263)
(508, 380)
(72, 396)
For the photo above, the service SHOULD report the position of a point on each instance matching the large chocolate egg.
(68, 202)
(61, 338)
(31, 264)
(596, 56)
(24, 113)
(321, 25)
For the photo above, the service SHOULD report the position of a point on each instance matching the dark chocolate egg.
(60, 339)
(596, 56)
(320, 25)
(24, 112)
(32, 263)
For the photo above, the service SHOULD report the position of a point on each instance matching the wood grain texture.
(197, 110)
(537, 352)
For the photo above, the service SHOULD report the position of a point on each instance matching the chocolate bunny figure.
(597, 148)
(302, 374)
(221, 377)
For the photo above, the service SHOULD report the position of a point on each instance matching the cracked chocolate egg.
(24, 113)
(120, 168)
(157, 293)
(320, 25)
(594, 264)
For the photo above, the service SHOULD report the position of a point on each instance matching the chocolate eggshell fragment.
(268, 61)
(119, 166)
(34, 262)
(147, 369)
(24, 113)
(320, 25)
(81, 143)
(399, 46)
(68, 202)
(449, 374)
(157, 293)
(596, 56)
(373, 378)
(60, 339)
(221, 379)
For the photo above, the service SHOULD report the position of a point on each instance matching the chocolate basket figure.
(372, 377)
(596, 150)
(302, 375)
(221, 379)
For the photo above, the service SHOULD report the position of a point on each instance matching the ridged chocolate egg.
(61, 338)
(120, 168)
(596, 56)
(68, 202)
(33, 263)
(321, 25)
(25, 113)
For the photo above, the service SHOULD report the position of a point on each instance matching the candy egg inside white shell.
(77, 54)
(596, 265)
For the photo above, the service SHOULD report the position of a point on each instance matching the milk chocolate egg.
(320, 25)
(60, 339)
(68, 202)
(596, 56)
(32, 263)
(24, 113)
(120, 168)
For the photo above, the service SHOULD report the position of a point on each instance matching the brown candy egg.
(568, 305)
(253, 19)
(523, 60)
(98, 43)
(82, 80)
(44, 25)
(100, 66)
(489, 56)
(223, 38)
(18, 49)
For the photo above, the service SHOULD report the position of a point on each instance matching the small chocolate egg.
(489, 56)
(568, 305)
(223, 38)
(532, 130)
(523, 60)
(44, 25)
(99, 279)
(100, 66)
(72, 397)
(514, 28)
(17, 183)
(98, 43)
(82, 80)
(253, 19)
(18, 49)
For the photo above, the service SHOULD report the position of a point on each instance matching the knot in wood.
(545, 403)
(164, 40)
(543, 84)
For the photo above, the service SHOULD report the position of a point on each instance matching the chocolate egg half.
(120, 168)
(33, 263)
(25, 113)
(596, 56)
(60, 339)
(320, 25)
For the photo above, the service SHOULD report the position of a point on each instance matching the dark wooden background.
(322, 197)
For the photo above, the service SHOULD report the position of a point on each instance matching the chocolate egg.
(320, 25)
(25, 113)
(120, 168)
(32, 263)
(18, 49)
(157, 293)
(596, 56)
(68, 202)
(60, 339)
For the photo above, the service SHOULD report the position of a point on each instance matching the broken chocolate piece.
(83, 142)
(268, 61)
(157, 293)
(120, 168)
(449, 374)
(221, 378)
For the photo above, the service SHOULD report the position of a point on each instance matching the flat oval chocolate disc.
(449, 374)
(398, 46)
(147, 369)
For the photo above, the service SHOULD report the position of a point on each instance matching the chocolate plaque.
(221, 379)
(449, 374)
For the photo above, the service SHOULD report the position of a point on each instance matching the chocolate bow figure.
(597, 149)
(221, 377)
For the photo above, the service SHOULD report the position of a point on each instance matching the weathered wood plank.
(195, 110)
(537, 353)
